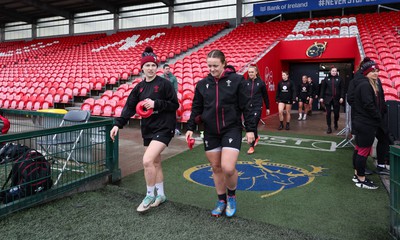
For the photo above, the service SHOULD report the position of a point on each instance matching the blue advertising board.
(289, 6)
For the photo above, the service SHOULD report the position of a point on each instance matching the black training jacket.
(366, 104)
(314, 89)
(258, 93)
(220, 103)
(352, 85)
(286, 92)
(332, 88)
(163, 119)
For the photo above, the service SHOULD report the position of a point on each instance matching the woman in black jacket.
(382, 133)
(219, 101)
(366, 119)
(258, 93)
(158, 129)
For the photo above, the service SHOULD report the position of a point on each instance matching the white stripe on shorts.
(231, 148)
(218, 149)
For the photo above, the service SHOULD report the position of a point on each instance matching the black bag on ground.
(10, 152)
(30, 174)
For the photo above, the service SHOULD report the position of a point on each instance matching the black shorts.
(365, 134)
(286, 101)
(303, 100)
(163, 139)
(229, 139)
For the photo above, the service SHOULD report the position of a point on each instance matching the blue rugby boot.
(219, 209)
(231, 206)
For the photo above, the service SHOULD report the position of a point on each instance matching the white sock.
(160, 188)
(300, 115)
(150, 191)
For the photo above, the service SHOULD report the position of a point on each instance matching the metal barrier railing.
(71, 163)
(395, 191)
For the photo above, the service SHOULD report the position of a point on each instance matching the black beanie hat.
(368, 66)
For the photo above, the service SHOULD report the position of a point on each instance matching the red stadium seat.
(37, 106)
(65, 98)
(112, 80)
(109, 108)
(97, 110)
(185, 116)
(391, 92)
(29, 105)
(391, 98)
(187, 104)
(117, 111)
(21, 105)
(124, 76)
(386, 83)
(14, 104)
(187, 94)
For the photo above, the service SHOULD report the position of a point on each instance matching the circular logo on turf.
(259, 175)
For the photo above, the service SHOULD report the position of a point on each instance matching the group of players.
(223, 103)
(330, 94)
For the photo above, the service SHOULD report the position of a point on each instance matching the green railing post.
(112, 152)
(395, 191)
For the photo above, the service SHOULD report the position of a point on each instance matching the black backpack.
(30, 174)
(10, 152)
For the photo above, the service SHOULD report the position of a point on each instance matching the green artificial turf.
(329, 206)
(110, 213)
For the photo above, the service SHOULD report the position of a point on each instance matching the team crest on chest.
(156, 88)
(228, 82)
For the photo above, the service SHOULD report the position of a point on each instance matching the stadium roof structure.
(31, 10)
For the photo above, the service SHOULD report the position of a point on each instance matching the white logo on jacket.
(207, 85)
(228, 82)
(230, 140)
